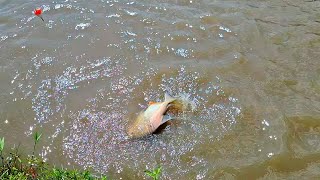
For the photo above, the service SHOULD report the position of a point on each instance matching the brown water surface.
(250, 67)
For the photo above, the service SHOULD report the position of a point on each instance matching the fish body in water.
(150, 119)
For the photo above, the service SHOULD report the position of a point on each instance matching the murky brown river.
(250, 67)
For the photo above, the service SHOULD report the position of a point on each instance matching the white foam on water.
(82, 26)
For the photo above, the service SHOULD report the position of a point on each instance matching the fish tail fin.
(182, 103)
(168, 97)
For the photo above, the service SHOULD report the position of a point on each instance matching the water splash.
(82, 26)
(97, 139)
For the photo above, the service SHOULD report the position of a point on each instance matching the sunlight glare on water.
(97, 139)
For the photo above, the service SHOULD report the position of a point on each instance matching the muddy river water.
(250, 67)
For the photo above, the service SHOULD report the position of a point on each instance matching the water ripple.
(97, 139)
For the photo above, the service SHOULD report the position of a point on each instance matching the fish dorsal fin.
(169, 98)
(166, 118)
(151, 102)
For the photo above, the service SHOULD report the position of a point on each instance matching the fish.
(154, 116)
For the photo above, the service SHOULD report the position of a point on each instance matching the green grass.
(155, 173)
(14, 167)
